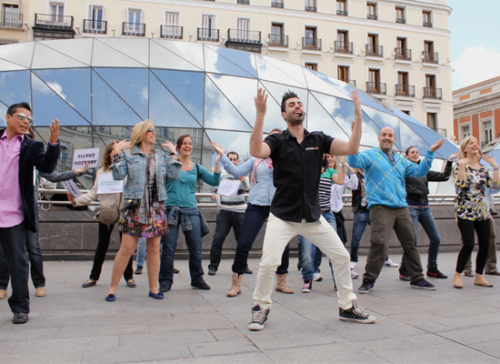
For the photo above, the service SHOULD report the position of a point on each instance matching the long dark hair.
(180, 140)
(106, 159)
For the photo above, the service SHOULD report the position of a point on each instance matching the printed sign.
(108, 185)
(83, 156)
(70, 186)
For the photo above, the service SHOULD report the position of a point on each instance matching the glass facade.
(99, 88)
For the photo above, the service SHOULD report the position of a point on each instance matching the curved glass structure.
(99, 88)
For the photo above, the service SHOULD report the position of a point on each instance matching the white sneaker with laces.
(354, 275)
(353, 265)
(390, 263)
(259, 318)
(317, 277)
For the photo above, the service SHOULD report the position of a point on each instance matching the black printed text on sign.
(83, 156)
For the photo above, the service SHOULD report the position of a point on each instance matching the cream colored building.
(399, 51)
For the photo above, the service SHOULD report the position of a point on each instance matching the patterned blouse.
(470, 203)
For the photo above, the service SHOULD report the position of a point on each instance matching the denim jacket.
(176, 213)
(263, 189)
(132, 164)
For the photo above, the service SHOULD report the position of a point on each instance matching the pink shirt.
(12, 212)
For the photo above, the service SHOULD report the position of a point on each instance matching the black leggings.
(467, 228)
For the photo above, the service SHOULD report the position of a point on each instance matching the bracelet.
(172, 153)
(495, 169)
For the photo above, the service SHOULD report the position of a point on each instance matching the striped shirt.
(234, 203)
(325, 192)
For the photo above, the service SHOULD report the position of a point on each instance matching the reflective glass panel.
(320, 120)
(216, 63)
(371, 101)
(232, 142)
(269, 72)
(165, 109)
(3, 112)
(46, 57)
(292, 70)
(219, 113)
(19, 53)
(131, 84)
(339, 85)
(135, 48)
(191, 52)
(105, 56)
(8, 66)
(276, 91)
(108, 108)
(429, 135)
(79, 49)
(342, 112)
(410, 138)
(382, 120)
(405, 117)
(187, 88)
(240, 92)
(243, 60)
(317, 84)
(72, 85)
(15, 87)
(161, 57)
(447, 149)
(48, 105)
(273, 115)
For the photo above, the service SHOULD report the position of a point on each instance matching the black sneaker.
(403, 275)
(164, 288)
(259, 318)
(356, 314)
(138, 270)
(247, 270)
(203, 286)
(176, 271)
(366, 287)
(435, 273)
(211, 270)
(423, 284)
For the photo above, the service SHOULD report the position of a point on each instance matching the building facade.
(476, 111)
(398, 51)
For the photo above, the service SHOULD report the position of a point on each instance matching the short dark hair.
(287, 95)
(237, 156)
(13, 108)
(409, 148)
(180, 140)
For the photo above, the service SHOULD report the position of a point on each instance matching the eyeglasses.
(22, 117)
(151, 130)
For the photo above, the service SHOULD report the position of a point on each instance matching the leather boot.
(281, 285)
(236, 286)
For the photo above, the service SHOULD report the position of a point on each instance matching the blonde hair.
(461, 153)
(139, 131)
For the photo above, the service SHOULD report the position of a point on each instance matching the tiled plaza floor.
(76, 325)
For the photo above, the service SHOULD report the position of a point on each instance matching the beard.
(294, 120)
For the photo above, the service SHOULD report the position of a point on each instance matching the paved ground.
(76, 325)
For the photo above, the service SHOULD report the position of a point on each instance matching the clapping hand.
(437, 145)
(169, 146)
(54, 132)
(81, 170)
(120, 146)
(261, 101)
(218, 148)
(491, 161)
(453, 156)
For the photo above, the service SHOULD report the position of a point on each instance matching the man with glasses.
(18, 157)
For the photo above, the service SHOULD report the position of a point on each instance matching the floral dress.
(150, 219)
(470, 203)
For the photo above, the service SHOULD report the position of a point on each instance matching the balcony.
(311, 9)
(11, 20)
(405, 90)
(374, 50)
(52, 26)
(134, 29)
(244, 2)
(171, 31)
(372, 16)
(401, 20)
(343, 47)
(95, 26)
(341, 13)
(208, 35)
(276, 40)
(428, 25)
(433, 93)
(403, 54)
(376, 88)
(244, 40)
(313, 44)
(277, 4)
(349, 82)
(430, 57)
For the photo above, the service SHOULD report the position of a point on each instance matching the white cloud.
(476, 64)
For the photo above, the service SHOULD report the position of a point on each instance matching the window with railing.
(311, 66)
(311, 6)
(277, 4)
(403, 88)
(310, 41)
(401, 51)
(374, 86)
(432, 120)
(244, 2)
(208, 34)
(95, 24)
(277, 38)
(342, 7)
(343, 73)
(243, 36)
(427, 19)
(134, 26)
(371, 9)
(428, 55)
(10, 17)
(342, 44)
(171, 29)
(372, 48)
(400, 15)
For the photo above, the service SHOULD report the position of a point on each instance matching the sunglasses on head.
(22, 117)
(151, 130)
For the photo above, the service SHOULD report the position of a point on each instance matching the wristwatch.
(172, 153)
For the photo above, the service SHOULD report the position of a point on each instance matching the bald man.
(385, 174)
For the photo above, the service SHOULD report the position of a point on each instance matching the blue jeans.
(225, 220)
(312, 256)
(424, 216)
(359, 223)
(141, 252)
(169, 245)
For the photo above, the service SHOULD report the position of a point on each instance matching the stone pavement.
(76, 325)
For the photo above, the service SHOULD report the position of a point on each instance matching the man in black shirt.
(297, 157)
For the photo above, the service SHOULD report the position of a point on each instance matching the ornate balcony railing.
(349, 82)
(341, 12)
(343, 47)
(311, 43)
(372, 16)
(433, 93)
(311, 8)
(401, 20)
(243, 36)
(208, 35)
(403, 53)
(171, 31)
(376, 88)
(277, 4)
(430, 57)
(277, 40)
(11, 20)
(53, 21)
(134, 29)
(95, 26)
(374, 50)
(426, 24)
(405, 90)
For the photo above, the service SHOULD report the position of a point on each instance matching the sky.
(475, 41)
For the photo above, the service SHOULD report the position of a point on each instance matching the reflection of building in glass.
(100, 88)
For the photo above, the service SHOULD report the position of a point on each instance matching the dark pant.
(359, 223)
(467, 228)
(491, 260)
(13, 243)
(169, 245)
(254, 219)
(103, 240)
(383, 220)
(225, 219)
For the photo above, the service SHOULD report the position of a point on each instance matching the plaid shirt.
(385, 182)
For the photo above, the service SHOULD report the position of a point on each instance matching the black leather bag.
(131, 204)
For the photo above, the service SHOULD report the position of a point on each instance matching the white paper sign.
(228, 188)
(83, 156)
(108, 185)
(70, 186)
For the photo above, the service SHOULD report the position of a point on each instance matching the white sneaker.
(317, 277)
(390, 263)
(353, 265)
(354, 275)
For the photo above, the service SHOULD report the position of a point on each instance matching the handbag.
(108, 215)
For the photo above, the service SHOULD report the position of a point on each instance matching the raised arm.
(258, 148)
(421, 170)
(433, 176)
(338, 177)
(339, 147)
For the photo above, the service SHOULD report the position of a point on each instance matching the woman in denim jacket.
(183, 212)
(147, 171)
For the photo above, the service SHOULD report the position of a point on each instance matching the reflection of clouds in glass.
(38, 85)
(271, 73)
(294, 71)
(3, 112)
(144, 93)
(317, 84)
(232, 142)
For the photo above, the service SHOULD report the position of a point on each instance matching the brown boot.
(281, 285)
(236, 287)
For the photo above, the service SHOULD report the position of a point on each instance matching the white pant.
(321, 234)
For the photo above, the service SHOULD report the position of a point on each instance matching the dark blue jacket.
(32, 155)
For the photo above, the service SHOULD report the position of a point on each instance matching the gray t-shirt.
(390, 155)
